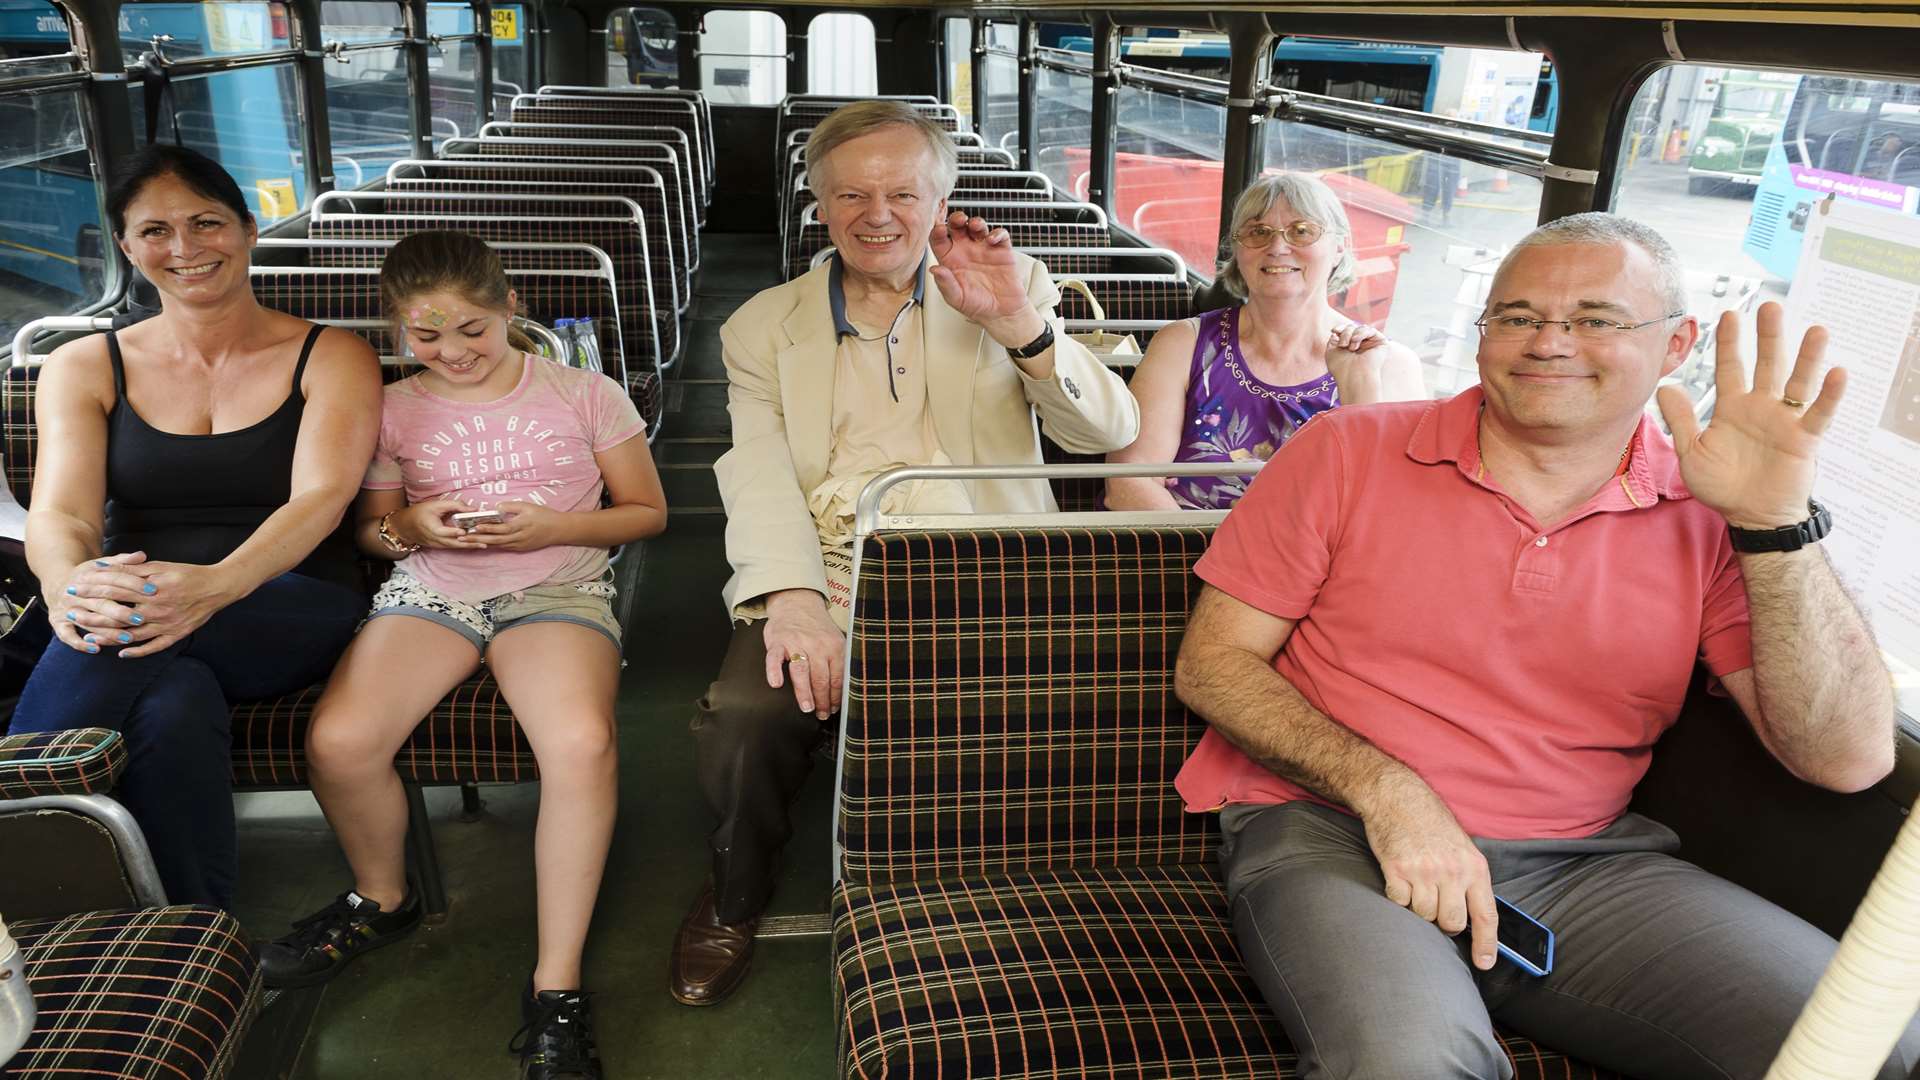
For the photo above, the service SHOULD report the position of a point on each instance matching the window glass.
(456, 94)
(958, 43)
(1730, 165)
(1001, 70)
(369, 113)
(642, 48)
(52, 241)
(356, 21)
(510, 57)
(248, 121)
(840, 55)
(1063, 126)
(214, 28)
(1166, 172)
(1428, 231)
(32, 32)
(743, 57)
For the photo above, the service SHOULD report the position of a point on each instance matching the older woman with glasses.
(1235, 383)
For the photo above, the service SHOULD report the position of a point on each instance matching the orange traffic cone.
(1499, 180)
(1672, 151)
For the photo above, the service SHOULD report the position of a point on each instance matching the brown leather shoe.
(709, 957)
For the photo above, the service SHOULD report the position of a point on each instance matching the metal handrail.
(53, 324)
(868, 519)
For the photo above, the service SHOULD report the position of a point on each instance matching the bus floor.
(443, 1002)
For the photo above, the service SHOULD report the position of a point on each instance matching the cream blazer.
(779, 352)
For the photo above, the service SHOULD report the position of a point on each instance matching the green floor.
(443, 1003)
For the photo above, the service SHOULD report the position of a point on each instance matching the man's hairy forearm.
(1826, 701)
(1257, 710)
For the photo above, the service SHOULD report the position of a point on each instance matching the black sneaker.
(323, 942)
(556, 1042)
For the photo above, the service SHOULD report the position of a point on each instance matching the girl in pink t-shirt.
(487, 429)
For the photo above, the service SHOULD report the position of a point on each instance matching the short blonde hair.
(1314, 200)
(850, 122)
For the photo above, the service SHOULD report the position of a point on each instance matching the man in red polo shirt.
(1438, 641)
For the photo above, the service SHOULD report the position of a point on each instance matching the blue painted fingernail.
(71, 591)
(93, 648)
(149, 588)
(136, 619)
(91, 639)
(125, 637)
(71, 618)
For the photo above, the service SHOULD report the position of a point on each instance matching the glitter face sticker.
(427, 318)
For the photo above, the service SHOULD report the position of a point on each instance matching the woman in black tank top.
(187, 515)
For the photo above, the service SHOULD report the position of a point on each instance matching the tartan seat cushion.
(80, 761)
(470, 737)
(1011, 706)
(163, 993)
(1128, 971)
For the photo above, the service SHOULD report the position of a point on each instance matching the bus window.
(957, 39)
(450, 71)
(510, 58)
(643, 48)
(1167, 173)
(1063, 110)
(1428, 232)
(214, 28)
(369, 105)
(1001, 70)
(840, 55)
(743, 57)
(1546, 100)
(1728, 161)
(52, 241)
(248, 121)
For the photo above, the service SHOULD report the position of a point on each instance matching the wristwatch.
(1787, 537)
(1035, 347)
(393, 542)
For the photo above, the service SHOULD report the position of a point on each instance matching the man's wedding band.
(1792, 403)
(797, 658)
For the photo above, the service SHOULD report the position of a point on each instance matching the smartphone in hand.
(470, 519)
(1524, 940)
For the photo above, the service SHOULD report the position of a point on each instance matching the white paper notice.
(1860, 278)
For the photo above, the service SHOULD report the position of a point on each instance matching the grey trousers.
(1661, 969)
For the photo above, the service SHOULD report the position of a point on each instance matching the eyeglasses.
(1302, 233)
(1586, 327)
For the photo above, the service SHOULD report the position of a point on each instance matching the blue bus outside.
(1845, 139)
(1377, 72)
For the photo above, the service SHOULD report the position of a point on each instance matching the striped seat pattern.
(1021, 892)
(164, 993)
(470, 737)
(1104, 973)
(80, 761)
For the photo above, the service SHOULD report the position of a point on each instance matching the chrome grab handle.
(16, 1000)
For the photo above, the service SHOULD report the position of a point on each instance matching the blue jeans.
(172, 708)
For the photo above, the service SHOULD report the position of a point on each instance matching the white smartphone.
(469, 519)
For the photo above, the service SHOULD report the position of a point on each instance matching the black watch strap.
(1035, 347)
(1818, 524)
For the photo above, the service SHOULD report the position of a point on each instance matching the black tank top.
(195, 498)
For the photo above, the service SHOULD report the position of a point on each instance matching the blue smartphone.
(1524, 940)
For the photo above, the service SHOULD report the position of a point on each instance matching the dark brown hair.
(202, 175)
(443, 260)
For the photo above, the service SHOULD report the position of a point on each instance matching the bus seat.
(1020, 890)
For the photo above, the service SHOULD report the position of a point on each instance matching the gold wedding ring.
(797, 658)
(1792, 403)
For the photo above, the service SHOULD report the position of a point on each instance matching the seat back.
(615, 114)
(582, 154)
(587, 139)
(1010, 702)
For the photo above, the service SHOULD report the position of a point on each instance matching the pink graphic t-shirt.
(534, 445)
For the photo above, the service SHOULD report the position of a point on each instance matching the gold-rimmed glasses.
(1260, 236)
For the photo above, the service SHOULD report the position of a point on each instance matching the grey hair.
(849, 122)
(1599, 227)
(1314, 200)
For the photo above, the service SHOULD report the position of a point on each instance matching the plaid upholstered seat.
(165, 993)
(1126, 972)
(1021, 891)
(81, 761)
(470, 737)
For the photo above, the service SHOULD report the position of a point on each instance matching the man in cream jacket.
(925, 339)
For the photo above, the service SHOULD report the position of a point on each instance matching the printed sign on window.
(276, 198)
(506, 24)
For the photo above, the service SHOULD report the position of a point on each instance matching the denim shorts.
(586, 603)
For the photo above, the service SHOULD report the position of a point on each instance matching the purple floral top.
(1233, 416)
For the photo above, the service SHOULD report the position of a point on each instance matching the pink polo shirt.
(1523, 672)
